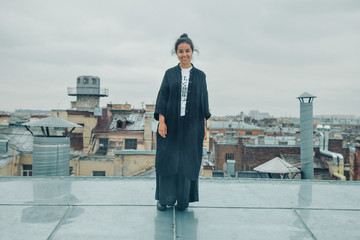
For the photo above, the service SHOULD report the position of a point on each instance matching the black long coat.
(168, 161)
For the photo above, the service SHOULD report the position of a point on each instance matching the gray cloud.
(256, 54)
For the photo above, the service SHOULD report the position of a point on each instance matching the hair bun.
(184, 35)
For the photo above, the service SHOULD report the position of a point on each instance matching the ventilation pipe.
(321, 140)
(337, 168)
(306, 135)
(51, 148)
(341, 167)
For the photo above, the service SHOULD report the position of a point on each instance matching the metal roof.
(276, 165)
(306, 95)
(19, 138)
(124, 208)
(51, 122)
(135, 121)
(232, 125)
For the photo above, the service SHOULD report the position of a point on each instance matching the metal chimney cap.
(309, 98)
(51, 122)
(306, 95)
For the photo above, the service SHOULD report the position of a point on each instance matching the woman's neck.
(186, 66)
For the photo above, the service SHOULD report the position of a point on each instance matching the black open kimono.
(179, 154)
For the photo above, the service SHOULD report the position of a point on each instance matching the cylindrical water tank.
(51, 156)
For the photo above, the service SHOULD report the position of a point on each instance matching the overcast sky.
(257, 55)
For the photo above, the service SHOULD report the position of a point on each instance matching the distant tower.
(306, 135)
(87, 92)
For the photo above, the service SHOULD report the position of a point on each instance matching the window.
(130, 144)
(229, 156)
(99, 174)
(248, 133)
(26, 170)
(103, 144)
(86, 80)
(93, 81)
(78, 80)
(81, 124)
(70, 170)
(120, 124)
(4, 147)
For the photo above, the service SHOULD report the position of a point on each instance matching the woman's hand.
(205, 129)
(162, 126)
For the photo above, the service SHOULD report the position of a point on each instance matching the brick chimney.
(356, 176)
(336, 145)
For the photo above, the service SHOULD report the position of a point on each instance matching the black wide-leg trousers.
(177, 188)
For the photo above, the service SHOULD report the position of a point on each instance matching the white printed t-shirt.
(185, 75)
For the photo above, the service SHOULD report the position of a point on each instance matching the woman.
(182, 110)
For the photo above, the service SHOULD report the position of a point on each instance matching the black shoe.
(160, 207)
(179, 208)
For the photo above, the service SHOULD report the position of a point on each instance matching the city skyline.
(256, 55)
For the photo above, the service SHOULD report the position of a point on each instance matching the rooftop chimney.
(51, 150)
(306, 135)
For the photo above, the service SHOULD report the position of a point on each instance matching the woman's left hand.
(205, 129)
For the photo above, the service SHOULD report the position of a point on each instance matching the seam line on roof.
(59, 224)
(304, 225)
(174, 224)
(199, 207)
(280, 208)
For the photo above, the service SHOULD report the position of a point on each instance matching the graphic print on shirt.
(184, 89)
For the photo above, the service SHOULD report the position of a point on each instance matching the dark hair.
(184, 38)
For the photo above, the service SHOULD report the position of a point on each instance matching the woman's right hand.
(162, 129)
(162, 126)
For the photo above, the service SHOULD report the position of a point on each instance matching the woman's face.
(184, 54)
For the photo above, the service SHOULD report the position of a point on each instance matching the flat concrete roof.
(124, 208)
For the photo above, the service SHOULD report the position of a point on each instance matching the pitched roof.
(276, 165)
(51, 122)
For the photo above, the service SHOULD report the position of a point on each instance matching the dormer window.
(86, 80)
(93, 81)
(120, 124)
